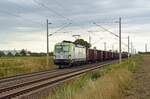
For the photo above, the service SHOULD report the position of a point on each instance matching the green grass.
(10, 66)
(106, 83)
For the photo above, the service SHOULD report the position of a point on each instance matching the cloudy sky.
(23, 23)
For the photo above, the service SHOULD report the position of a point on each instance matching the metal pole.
(104, 46)
(131, 48)
(47, 45)
(145, 47)
(120, 56)
(89, 39)
(112, 50)
(128, 46)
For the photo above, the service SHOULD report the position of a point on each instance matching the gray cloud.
(21, 17)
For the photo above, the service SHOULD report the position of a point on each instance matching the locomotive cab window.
(62, 48)
(58, 48)
(65, 48)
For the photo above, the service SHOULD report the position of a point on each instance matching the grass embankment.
(107, 83)
(10, 66)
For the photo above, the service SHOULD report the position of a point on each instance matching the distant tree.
(10, 54)
(34, 54)
(82, 42)
(51, 53)
(29, 52)
(17, 54)
(2, 53)
(42, 54)
(23, 52)
(144, 52)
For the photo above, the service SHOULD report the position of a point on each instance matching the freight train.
(67, 54)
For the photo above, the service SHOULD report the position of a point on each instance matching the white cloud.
(22, 2)
(20, 28)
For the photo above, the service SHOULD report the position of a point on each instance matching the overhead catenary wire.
(53, 11)
(58, 14)
(97, 41)
(15, 15)
(64, 26)
(109, 32)
(105, 29)
(67, 18)
(109, 38)
(60, 5)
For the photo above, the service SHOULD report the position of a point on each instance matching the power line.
(58, 14)
(109, 38)
(59, 4)
(12, 14)
(43, 5)
(97, 41)
(109, 31)
(62, 28)
(105, 29)
(65, 32)
(18, 6)
(63, 15)
(122, 42)
(146, 47)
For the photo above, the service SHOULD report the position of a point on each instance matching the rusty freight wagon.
(99, 55)
(91, 55)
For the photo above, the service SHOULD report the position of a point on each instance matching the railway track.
(23, 86)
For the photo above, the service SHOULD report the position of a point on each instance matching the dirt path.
(140, 87)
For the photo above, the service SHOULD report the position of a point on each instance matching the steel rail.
(43, 82)
(9, 82)
(7, 79)
(31, 79)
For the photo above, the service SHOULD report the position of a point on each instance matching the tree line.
(23, 52)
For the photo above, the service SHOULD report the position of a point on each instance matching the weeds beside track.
(105, 83)
(32, 85)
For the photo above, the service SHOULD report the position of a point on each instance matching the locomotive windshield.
(62, 48)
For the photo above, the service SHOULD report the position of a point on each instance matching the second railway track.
(23, 86)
